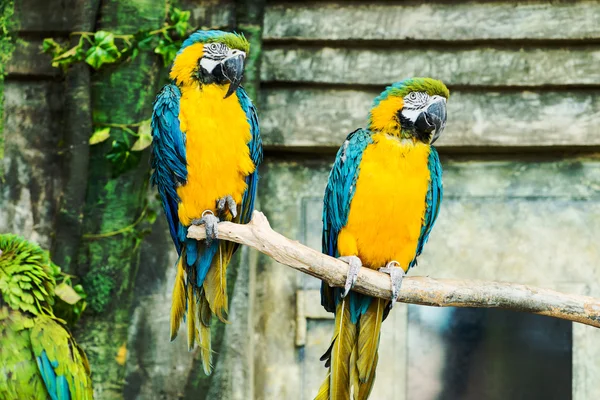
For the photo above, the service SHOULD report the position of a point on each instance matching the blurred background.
(521, 178)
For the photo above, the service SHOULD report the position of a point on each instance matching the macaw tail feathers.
(179, 298)
(205, 315)
(191, 302)
(352, 356)
(368, 339)
(215, 284)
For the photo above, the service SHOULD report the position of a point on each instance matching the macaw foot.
(210, 223)
(355, 264)
(397, 275)
(228, 202)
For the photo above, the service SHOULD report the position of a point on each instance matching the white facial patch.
(208, 64)
(411, 114)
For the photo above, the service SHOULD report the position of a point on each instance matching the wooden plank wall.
(521, 74)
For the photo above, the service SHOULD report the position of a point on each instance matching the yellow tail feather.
(191, 316)
(368, 338)
(354, 354)
(215, 284)
(366, 387)
(345, 334)
(204, 320)
(353, 381)
(324, 389)
(179, 298)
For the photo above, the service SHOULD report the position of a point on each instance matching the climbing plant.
(102, 48)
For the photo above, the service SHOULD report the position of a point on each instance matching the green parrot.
(39, 358)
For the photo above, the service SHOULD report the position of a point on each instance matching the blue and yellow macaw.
(206, 151)
(381, 202)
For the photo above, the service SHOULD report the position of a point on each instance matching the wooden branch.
(415, 290)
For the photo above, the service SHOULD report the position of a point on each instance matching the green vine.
(126, 148)
(148, 215)
(102, 47)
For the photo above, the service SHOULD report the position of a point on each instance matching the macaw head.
(211, 57)
(411, 109)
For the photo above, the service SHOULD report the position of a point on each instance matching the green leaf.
(167, 49)
(67, 294)
(177, 15)
(181, 28)
(104, 50)
(50, 46)
(100, 136)
(121, 157)
(143, 142)
(151, 216)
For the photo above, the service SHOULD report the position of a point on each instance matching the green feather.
(29, 330)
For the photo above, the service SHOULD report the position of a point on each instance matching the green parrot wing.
(62, 364)
(19, 374)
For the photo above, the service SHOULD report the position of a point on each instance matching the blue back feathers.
(168, 155)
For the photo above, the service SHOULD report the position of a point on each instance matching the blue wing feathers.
(336, 208)
(57, 386)
(62, 388)
(168, 155)
(433, 199)
(256, 154)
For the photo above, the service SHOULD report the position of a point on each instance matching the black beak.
(432, 121)
(233, 70)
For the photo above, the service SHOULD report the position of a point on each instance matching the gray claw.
(230, 203)
(355, 264)
(211, 225)
(396, 275)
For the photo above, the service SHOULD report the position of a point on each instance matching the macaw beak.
(432, 120)
(233, 70)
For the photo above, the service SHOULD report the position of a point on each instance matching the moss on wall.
(6, 49)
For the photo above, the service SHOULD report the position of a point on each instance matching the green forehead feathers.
(400, 89)
(230, 39)
(233, 41)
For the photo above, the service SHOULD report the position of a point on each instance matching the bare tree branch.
(415, 290)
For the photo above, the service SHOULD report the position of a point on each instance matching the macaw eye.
(412, 96)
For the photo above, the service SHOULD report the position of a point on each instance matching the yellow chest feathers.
(218, 160)
(389, 203)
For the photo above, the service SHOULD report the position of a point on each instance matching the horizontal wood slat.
(315, 117)
(438, 22)
(477, 66)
